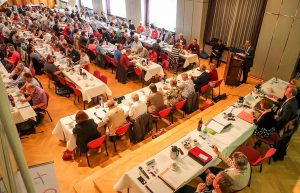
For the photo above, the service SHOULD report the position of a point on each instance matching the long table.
(226, 141)
(64, 127)
(22, 111)
(151, 70)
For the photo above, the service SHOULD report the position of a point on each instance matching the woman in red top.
(213, 74)
(152, 56)
(125, 60)
(67, 30)
(92, 46)
(154, 34)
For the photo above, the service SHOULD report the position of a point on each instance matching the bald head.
(135, 97)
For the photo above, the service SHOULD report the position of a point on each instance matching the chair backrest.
(218, 83)
(76, 91)
(48, 96)
(269, 153)
(180, 104)
(70, 84)
(103, 78)
(165, 112)
(165, 64)
(138, 71)
(32, 71)
(164, 56)
(96, 143)
(203, 89)
(114, 62)
(123, 129)
(252, 154)
(87, 67)
(49, 75)
(62, 80)
(97, 74)
(107, 58)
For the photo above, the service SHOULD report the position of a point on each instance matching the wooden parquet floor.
(279, 177)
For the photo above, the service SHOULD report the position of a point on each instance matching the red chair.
(165, 64)
(270, 141)
(139, 73)
(114, 65)
(163, 56)
(78, 95)
(217, 84)
(162, 115)
(179, 106)
(121, 131)
(103, 78)
(62, 80)
(45, 111)
(254, 156)
(204, 90)
(97, 74)
(32, 71)
(87, 67)
(70, 84)
(96, 144)
(50, 78)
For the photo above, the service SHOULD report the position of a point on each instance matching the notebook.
(217, 125)
(246, 117)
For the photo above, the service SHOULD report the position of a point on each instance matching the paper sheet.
(158, 185)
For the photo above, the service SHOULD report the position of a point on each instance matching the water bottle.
(200, 122)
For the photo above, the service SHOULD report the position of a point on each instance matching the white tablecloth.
(152, 69)
(63, 129)
(22, 111)
(90, 87)
(226, 141)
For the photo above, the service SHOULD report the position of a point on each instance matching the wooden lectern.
(233, 69)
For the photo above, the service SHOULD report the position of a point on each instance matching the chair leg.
(260, 169)
(106, 148)
(115, 145)
(84, 105)
(270, 160)
(87, 159)
(49, 116)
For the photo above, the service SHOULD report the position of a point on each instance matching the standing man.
(248, 60)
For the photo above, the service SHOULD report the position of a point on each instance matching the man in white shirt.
(84, 59)
(137, 108)
(135, 44)
(186, 85)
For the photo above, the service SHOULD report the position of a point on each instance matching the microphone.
(143, 171)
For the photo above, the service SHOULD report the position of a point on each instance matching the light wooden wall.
(278, 45)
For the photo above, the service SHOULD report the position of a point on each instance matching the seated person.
(30, 80)
(113, 38)
(213, 74)
(52, 69)
(17, 75)
(140, 28)
(181, 40)
(154, 33)
(173, 95)
(174, 56)
(118, 53)
(194, 47)
(85, 131)
(201, 80)
(115, 118)
(142, 52)
(84, 59)
(239, 170)
(83, 39)
(288, 109)
(131, 25)
(99, 48)
(73, 54)
(293, 83)
(37, 96)
(12, 59)
(156, 45)
(127, 43)
(137, 108)
(124, 61)
(122, 38)
(135, 44)
(217, 51)
(169, 38)
(152, 56)
(92, 46)
(186, 85)
(155, 100)
(62, 40)
(147, 31)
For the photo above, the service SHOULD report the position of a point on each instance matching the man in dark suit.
(217, 51)
(288, 109)
(201, 80)
(248, 59)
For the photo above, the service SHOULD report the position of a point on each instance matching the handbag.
(68, 155)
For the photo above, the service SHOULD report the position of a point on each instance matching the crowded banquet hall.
(149, 96)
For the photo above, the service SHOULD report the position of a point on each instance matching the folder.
(246, 117)
(200, 156)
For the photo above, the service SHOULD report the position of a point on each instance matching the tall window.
(104, 6)
(87, 3)
(162, 13)
(143, 10)
(117, 8)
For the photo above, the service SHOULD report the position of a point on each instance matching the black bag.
(26, 128)
(63, 91)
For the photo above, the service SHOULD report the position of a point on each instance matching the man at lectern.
(248, 56)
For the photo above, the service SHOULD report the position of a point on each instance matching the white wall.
(278, 44)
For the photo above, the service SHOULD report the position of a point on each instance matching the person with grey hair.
(17, 75)
(173, 95)
(142, 52)
(155, 100)
(239, 170)
(137, 107)
(135, 44)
